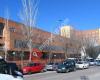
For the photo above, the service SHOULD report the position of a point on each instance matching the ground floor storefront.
(22, 58)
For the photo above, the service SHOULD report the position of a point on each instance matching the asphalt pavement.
(93, 73)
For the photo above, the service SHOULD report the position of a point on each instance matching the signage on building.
(37, 53)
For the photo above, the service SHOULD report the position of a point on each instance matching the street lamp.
(54, 57)
(5, 50)
(14, 55)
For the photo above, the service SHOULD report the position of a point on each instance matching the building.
(66, 31)
(13, 43)
(92, 35)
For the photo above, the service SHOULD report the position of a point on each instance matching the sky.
(81, 14)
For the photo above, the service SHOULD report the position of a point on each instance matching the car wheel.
(43, 70)
(57, 71)
(82, 68)
(29, 72)
(87, 67)
(74, 69)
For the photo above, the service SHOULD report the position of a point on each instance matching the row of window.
(1, 28)
(24, 44)
(20, 44)
(17, 56)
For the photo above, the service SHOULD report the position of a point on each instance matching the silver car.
(51, 66)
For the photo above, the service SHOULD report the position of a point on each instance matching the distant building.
(70, 32)
(66, 31)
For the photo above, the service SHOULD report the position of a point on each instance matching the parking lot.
(93, 73)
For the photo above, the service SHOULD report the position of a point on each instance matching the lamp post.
(22, 56)
(54, 57)
(5, 50)
(14, 55)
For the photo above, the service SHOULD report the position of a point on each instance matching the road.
(93, 73)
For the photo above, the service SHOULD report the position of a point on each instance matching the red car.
(33, 68)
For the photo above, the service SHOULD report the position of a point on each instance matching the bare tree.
(91, 50)
(6, 33)
(28, 16)
(87, 45)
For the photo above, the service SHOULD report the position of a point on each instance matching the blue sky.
(82, 14)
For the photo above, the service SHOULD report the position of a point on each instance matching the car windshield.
(50, 63)
(91, 60)
(60, 65)
(98, 60)
(79, 62)
(33, 64)
(30, 64)
(56, 63)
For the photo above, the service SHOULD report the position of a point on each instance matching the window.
(20, 44)
(1, 28)
(12, 29)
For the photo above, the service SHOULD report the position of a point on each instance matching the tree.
(92, 52)
(6, 33)
(87, 45)
(28, 16)
(91, 49)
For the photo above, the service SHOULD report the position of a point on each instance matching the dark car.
(3, 66)
(97, 62)
(13, 69)
(66, 66)
(9, 71)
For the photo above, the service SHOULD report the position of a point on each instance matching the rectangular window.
(1, 28)
(20, 44)
(12, 29)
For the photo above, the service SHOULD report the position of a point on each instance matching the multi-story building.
(92, 35)
(66, 31)
(1, 38)
(13, 43)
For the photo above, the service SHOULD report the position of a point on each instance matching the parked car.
(72, 59)
(8, 72)
(97, 62)
(44, 69)
(66, 66)
(51, 66)
(91, 61)
(33, 68)
(55, 66)
(13, 69)
(82, 65)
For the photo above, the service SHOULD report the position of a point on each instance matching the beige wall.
(91, 34)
